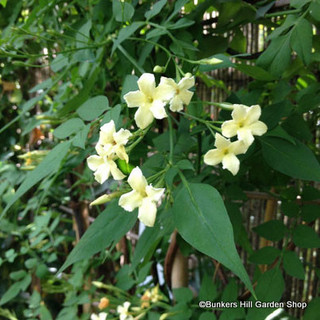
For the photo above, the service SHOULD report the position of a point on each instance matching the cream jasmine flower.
(143, 196)
(182, 96)
(103, 166)
(226, 153)
(245, 123)
(109, 147)
(100, 316)
(111, 141)
(124, 311)
(149, 99)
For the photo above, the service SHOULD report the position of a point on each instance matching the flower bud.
(158, 69)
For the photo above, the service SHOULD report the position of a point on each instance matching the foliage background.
(65, 67)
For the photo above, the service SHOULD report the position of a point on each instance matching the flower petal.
(94, 162)
(115, 172)
(229, 128)
(154, 193)
(165, 91)
(134, 99)
(258, 128)
(245, 135)
(221, 142)
(239, 112)
(103, 173)
(131, 200)
(158, 110)
(143, 117)
(137, 181)
(213, 157)
(147, 212)
(238, 147)
(186, 96)
(147, 84)
(186, 83)
(176, 104)
(253, 114)
(106, 133)
(231, 162)
(122, 136)
(121, 153)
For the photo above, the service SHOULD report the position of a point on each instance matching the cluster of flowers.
(150, 296)
(151, 101)
(244, 124)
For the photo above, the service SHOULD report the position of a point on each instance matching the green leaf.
(239, 42)
(202, 220)
(310, 212)
(270, 287)
(3, 3)
(113, 114)
(67, 128)
(122, 10)
(292, 265)
(156, 33)
(177, 6)
(108, 227)
(298, 3)
(155, 9)
(93, 108)
(43, 85)
(265, 255)
(271, 115)
(80, 138)
(15, 289)
(130, 83)
(75, 102)
(273, 230)
(207, 316)
(301, 40)
(296, 161)
(255, 72)
(305, 237)
(181, 23)
(182, 295)
(315, 10)
(290, 208)
(208, 289)
(276, 58)
(49, 165)
(279, 132)
(313, 310)
(59, 62)
(125, 33)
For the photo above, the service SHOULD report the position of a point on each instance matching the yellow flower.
(100, 316)
(109, 147)
(181, 95)
(226, 153)
(124, 311)
(149, 99)
(245, 123)
(143, 196)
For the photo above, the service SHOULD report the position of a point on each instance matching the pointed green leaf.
(49, 165)
(292, 265)
(107, 228)
(202, 220)
(296, 161)
(68, 128)
(93, 108)
(301, 40)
